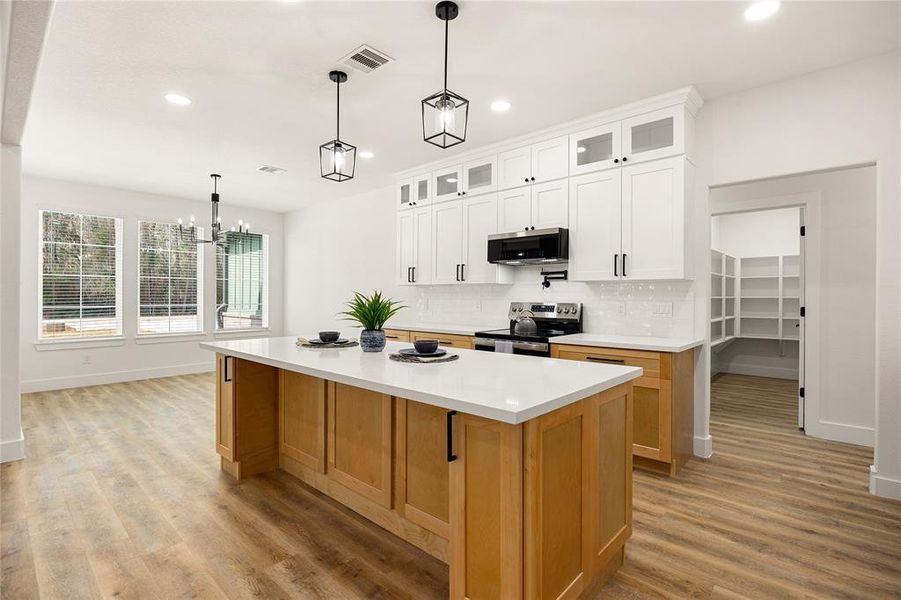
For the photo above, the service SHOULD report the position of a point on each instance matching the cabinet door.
(406, 247)
(652, 421)
(480, 176)
(514, 168)
(422, 261)
(446, 183)
(302, 418)
(654, 135)
(514, 210)
(550, 204)
(654, 220)
(404, 193)
(550, 159)
(422, 189)
(595, 226)
(479, 221)
(447, 241)
(595, 149)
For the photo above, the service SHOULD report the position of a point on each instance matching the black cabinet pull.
(413, 271)
(625, 159)
(618, 361)
(616, 265)
(616, 160)
(225, 374)
(526, 228)
(526, 180)
(624, 264)
(533, 228)
(451, 457)
(464, 193)
(462, 273)
(408, 275)
(457, 274)
(533, 179)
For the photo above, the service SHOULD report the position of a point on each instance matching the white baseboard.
(72, 381)
(840, 432)
(703, 446)
(11, 450)
(885, 487)
(759, 371)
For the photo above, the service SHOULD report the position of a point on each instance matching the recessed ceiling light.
(762, 10)
(366, 154)
(177, 99)
(500, 106)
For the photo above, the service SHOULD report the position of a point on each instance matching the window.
(80, 276)
(169, 285)
(242, 294)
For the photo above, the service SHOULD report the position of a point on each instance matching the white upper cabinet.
(422, 268)
(550, 160)
(534, 207)
(446, 183)
(595, 149)
(480, 176)
(514, 210)
(654, 135)
(479, 221)
(422, 187)
(654, 220)
(447, 242)
(404, 193)
(514, 168)
(414, 233)
(595, 232)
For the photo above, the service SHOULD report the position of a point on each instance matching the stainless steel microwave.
(536, 247)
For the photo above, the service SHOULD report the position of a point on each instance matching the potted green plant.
(371, 313)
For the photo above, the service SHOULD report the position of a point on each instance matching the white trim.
(885, 487)
(80, 342)
(11, 450)
(169, 338)
(240, 333)
(703, 446)
(759, 370)
(60, 383)
(839, 432)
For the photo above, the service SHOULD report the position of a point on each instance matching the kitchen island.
(515, 470)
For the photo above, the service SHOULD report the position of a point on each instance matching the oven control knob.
(559, 309)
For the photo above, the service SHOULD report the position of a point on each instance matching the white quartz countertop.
(442, 328)
(505, 387)
(629, 342)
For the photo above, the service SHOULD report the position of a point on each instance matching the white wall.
(758, 233)
(43, 368)
(12, 443)
(847, 115)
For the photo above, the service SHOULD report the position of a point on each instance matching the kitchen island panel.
(302, 424)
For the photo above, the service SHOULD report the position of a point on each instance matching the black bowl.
(329, 336)
(425, 346)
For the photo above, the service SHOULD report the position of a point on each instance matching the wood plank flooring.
(121, 495)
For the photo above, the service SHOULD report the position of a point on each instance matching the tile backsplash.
(659, 308)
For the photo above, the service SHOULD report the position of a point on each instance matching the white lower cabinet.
(414, 247)
(630, 223)
(459, 251)
(537, 206)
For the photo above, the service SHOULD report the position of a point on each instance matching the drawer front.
(655, 364)
(444, 339)
(397, 335)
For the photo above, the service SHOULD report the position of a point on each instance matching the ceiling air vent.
(366, 59)
(270, 169)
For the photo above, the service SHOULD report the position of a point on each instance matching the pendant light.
(444, 113)
(216, 236)
(337, 159)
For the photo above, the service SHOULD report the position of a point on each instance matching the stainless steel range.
(532, 324)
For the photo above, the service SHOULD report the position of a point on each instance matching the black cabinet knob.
(458, 193)
(526, 229)
(616, 160)
(533, 228)
(533, 179)
(625, 159)
(464, 193)
(526, 180)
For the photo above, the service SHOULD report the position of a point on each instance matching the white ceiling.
(257, 73)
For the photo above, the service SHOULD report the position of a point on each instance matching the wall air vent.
(366, 59)
(270, 169)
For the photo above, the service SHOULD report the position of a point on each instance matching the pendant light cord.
(338, 112)
(446, 25)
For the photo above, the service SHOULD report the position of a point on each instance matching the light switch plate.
(663, 309)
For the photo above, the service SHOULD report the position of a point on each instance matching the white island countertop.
(629, 342)
(505, 387)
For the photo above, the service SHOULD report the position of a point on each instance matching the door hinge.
(803, 311)
(802, 231)
(801, 392)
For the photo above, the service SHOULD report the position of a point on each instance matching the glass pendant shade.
(337, 160)
(444, 118)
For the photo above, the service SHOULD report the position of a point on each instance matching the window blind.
(241, 280)
(168, 281)
(80, 275)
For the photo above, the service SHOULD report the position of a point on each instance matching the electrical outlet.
(663, 309)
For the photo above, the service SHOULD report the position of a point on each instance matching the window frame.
(201, 329)
(118, 247)
(264, 270)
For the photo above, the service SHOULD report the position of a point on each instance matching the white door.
(654, 135)
(514, 210)
(404, 193)
(447, 241)
(654, 220)
(550, 160)
(550, 204)
(406, 247)
(595, 232)
(446, 183)
(480, 176)
(514, 168)
(479, 221)
(422, 265)
(422, 189)
(595, 149)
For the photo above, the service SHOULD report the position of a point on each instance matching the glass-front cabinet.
(447, 183)
(404, 193)
(480, 176)
(595, 149)
(421, 189)
(654, 135)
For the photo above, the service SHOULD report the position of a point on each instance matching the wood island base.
(540, 509)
